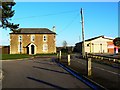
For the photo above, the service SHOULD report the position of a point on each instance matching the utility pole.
(79, 38)
(83, 41)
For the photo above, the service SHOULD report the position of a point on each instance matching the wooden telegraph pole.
(89, 71)
(83, 44)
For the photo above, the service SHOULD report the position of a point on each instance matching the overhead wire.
(58, 13)
(69, 24)
(51, 14)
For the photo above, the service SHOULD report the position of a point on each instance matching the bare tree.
(64, 44)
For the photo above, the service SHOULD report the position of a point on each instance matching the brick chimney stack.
(54, 29)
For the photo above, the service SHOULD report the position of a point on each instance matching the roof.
(33, 31)
(97, 37)
(4, 46)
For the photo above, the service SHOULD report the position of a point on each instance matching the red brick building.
(112, 48)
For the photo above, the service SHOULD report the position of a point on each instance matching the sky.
(100, 18)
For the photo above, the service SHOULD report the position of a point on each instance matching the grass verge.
(21, 56)
(14, 56)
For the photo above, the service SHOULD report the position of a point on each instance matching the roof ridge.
(35, 30)
(94, 38)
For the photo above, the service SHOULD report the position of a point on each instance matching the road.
(105, 75)
(37, 73)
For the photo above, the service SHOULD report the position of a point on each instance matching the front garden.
(21, 56)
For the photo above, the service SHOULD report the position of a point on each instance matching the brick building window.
(54, 38)
(44, 38)
(32, 38)
(20, 38)
(20, 48)
(88, 44)
(45, 47)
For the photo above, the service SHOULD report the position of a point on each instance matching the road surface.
(37, 73)
(105, 75)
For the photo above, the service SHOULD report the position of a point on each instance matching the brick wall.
(38, 42)
(4, 49)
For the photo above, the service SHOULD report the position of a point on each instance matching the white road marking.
(81, 62)
(101, 69)
(107, 70)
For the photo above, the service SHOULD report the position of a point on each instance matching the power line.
(51, 14)
(69, 24)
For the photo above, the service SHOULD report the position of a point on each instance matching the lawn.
(14, 56)
(20, 56)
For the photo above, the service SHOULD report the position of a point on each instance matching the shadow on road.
(40, 81)
(50, 70)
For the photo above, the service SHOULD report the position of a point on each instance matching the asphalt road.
(37, 73)
(105, 75)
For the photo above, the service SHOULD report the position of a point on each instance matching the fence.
(102, 57)
(4, 50)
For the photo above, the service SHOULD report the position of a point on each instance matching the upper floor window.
(88, 45)
(54, 38)
(44, 38)
(20, 38)
(32, 38)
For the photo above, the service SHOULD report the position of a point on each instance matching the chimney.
(54, 29)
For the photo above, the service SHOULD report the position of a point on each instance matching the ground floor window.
(20, 48)
(45, 47)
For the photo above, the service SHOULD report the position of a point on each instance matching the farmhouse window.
(32, 38)
(44, 38)
(20, 38)
(45, 47)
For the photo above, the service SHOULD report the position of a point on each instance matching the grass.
(20, 56)
(14, 56)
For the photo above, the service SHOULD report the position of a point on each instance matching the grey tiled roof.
(34, 31)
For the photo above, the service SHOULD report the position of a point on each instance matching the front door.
(32, 49)
(27, 50)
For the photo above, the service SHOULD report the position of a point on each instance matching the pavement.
(38, 73)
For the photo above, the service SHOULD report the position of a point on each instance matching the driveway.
(37, 73)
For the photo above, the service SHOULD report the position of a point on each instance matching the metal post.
(68, 59)
(83, 44)
(114, 60)
(89, 71)
(60, 56)
(86, 55)
(57, 55)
